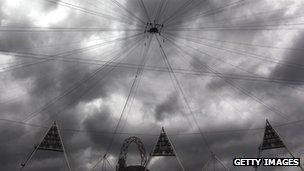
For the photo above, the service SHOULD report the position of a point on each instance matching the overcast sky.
(235, 64)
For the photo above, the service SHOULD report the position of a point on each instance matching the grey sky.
(237, 62)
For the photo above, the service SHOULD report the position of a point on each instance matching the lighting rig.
(153, 28)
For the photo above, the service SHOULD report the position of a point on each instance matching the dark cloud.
(91, 124)
(294, 58)
(51, 5)
(89, 113)
(167, 108)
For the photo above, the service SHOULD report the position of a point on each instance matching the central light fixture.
(153, 28)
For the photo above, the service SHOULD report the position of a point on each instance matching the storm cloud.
(235, 64)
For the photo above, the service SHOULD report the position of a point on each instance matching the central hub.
(153, 28)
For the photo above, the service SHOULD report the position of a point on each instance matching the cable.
(66, 92)
(247, 44)
(92, 86)
(257, 99)
(67, 53)
(42, 46)
(220, 97)
(108, 9)
(212, 11)
(244, 91)
(231, 19)
(92, 12)
(142, 4)
(202, 134)
(51, 58)
(252, 55)
(75, 131)
(204, 138)
(105, 74)
(184, 96)
(245, 19)
(176, 88)
(244, 70)
(182, 15)
(159, 10)
(176, 70)
(268, 27)
(60, 29)
(175, 13)
(128, 11)
(139, 70)
(20, 53)
(100, 62)
(164, 11)
(135, 91)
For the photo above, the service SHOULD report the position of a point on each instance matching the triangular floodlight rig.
(51, 141)
(163, 148)
(272, 140)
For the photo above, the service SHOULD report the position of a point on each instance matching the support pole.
(206, 163)
(216, 158)
(64, 152)
(290, 153)
(213, 158)
(29, 158)
(32, 153)
(110, 164)
(293, 157)
(150, 158)
(176, 156)
(259, 155)
(148, 162)
(180, 163)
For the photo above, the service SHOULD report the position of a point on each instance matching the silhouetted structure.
(122, 166)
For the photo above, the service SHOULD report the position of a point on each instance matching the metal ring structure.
(124, 151)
